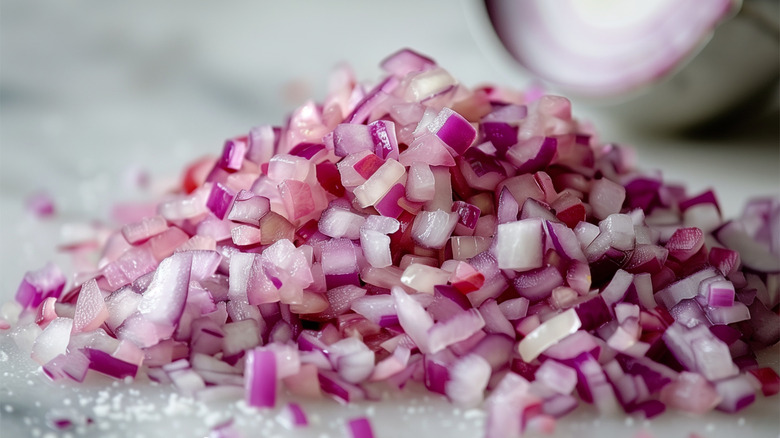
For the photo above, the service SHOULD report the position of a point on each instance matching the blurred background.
(96, 94)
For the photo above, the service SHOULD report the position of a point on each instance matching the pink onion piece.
(260, 375)
(39, 285)
(40, 204)
(360, 428)
(454, 130)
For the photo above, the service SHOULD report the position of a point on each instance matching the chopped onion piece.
(360, 428)
(432, 229)
(260, 377)
(468, 379)
(548, 334)
(424, 278)
(519, 245)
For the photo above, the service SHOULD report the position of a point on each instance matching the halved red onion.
(432, 229)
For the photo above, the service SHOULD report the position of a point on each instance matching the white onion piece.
(240, 336)
(163, 302)
(374, 307)
(690, 392)
(245, 235)
(442, 198)
(53, 341)
(392, 364)
(458, 328)
(432, 229)
(617, 287)
(337, 222)
(413, 318)
(557, 376)
(548, 334)
(286, 166)
(519, 245)
(378, 184)
(699, 350)
(427, 149)
(352, 359)
(423, 278)
(422, 85)
(91, 310)
(564, 42)
(686, 288)
(728, 315)
(606, 198)
(469, 377)
(753, 254)
(505, 406)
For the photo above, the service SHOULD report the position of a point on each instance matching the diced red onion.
(752, 254)
(415, 321)
(233, 154)
(91, 310)
(427, 149)
(432, 229)
(511, 237)
(379, 183)
(38, 285)
(103, 362)
(360, 428)
(454, 130)
(406, 61)
(548, 334)
(556, 376)
(260, 378)
(419, 230)
(292, 416)
(424, 278)
(468, 379)
(53, 341)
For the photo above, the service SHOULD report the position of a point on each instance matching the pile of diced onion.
(481, 242)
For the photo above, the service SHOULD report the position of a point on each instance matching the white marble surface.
(90, 89)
